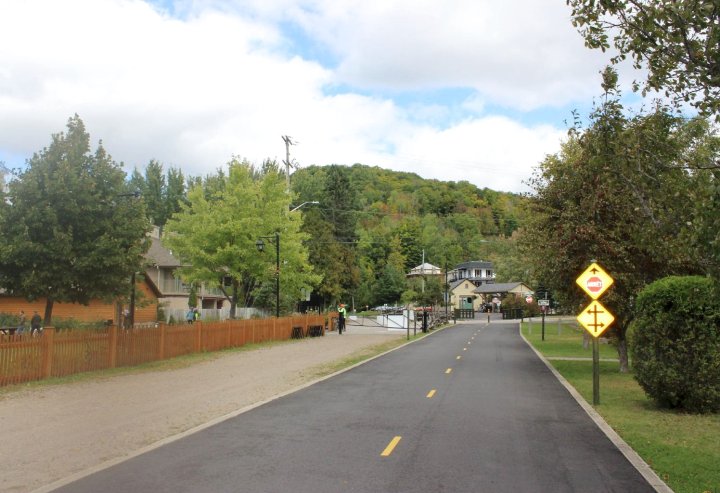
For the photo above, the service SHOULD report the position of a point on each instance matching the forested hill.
(389, 213)
(401, 193)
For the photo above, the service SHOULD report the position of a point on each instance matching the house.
(463, 296)
(464, 279)
(494, 293)
(173, 294)
(425, 269)
(477, 271)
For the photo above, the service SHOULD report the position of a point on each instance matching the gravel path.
(51, 432)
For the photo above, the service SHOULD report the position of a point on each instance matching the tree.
(615, 194)
(70, 231)
(677, 42)
(215, 234)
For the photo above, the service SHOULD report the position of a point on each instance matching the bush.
(675, 343)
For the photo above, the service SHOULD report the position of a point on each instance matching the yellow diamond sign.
(595, 318)
(594, 281)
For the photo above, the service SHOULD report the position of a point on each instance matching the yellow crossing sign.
(594, 281)
(595, 318)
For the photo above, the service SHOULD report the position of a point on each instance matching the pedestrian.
(196, 314)
(21, 322)
(35, 323)
(341, 317)
(190, 316)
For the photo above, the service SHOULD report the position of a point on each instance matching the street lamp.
(304, 204)
(260, 244)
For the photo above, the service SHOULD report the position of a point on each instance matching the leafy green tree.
(677, 42)
(70, 230)
(614, 194)
(216, 235)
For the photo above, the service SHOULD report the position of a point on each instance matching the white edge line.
(642, 467)
(165, 441)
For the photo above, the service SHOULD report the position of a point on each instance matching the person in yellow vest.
(342, 313)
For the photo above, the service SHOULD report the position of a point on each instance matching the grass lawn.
(683, 449)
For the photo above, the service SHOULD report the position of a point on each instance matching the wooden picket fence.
(61, 353)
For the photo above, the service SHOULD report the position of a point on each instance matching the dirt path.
(51, 432)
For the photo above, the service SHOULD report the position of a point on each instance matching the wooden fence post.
(161, 352)
(198, 337)
(48, 339)
(112, 357)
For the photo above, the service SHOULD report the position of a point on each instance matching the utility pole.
(288, 142)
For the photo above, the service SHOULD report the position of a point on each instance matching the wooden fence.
(57, 354)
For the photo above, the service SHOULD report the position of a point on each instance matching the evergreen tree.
(70, 229)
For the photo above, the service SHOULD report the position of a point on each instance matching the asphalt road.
(469, 409)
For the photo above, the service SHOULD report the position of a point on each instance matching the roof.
(425, 269)
(475, 264)
(502, 287)
(160, 256)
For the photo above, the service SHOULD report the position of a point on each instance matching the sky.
(475, 90)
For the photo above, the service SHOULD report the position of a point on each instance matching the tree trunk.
(622, 353)
(48, 311)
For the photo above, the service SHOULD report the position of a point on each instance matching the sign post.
(595, 318)
(543, 308)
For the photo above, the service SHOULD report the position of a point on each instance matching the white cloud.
(192, 91)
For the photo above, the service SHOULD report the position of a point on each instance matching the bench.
(315, 331)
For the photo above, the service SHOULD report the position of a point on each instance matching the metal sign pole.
(596, 371)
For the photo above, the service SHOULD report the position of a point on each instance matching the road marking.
(464, 349)
(391, 446)
(458, 357)
(449, 370)
(430, 394)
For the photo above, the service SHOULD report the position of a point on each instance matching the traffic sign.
(594, 281)
(543, 302)
(595, 318)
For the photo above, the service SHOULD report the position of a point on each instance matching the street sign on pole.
(595, 318)
(543, 302)
(594, 281)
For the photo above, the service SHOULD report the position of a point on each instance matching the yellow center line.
(431, 394)
(449, 370)
(464, 349)
(391, 446)
(458, 357)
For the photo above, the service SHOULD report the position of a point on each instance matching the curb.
(642, 467)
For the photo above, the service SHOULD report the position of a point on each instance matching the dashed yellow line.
(464, 349)
(391, 446)
(458, 357)
(449, 370)
(430, 394)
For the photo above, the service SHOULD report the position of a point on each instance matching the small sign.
(544, 302)
(594, 281)
(595, 318)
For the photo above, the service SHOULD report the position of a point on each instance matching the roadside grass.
(568, 344)
(683, 449)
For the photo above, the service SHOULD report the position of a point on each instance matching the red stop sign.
(594, 284)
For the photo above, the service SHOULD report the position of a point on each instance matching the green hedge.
(675, 343)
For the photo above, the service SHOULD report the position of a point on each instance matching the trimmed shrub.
(675, 343)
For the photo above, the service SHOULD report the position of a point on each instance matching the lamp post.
(293, 209)
(260, 244)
